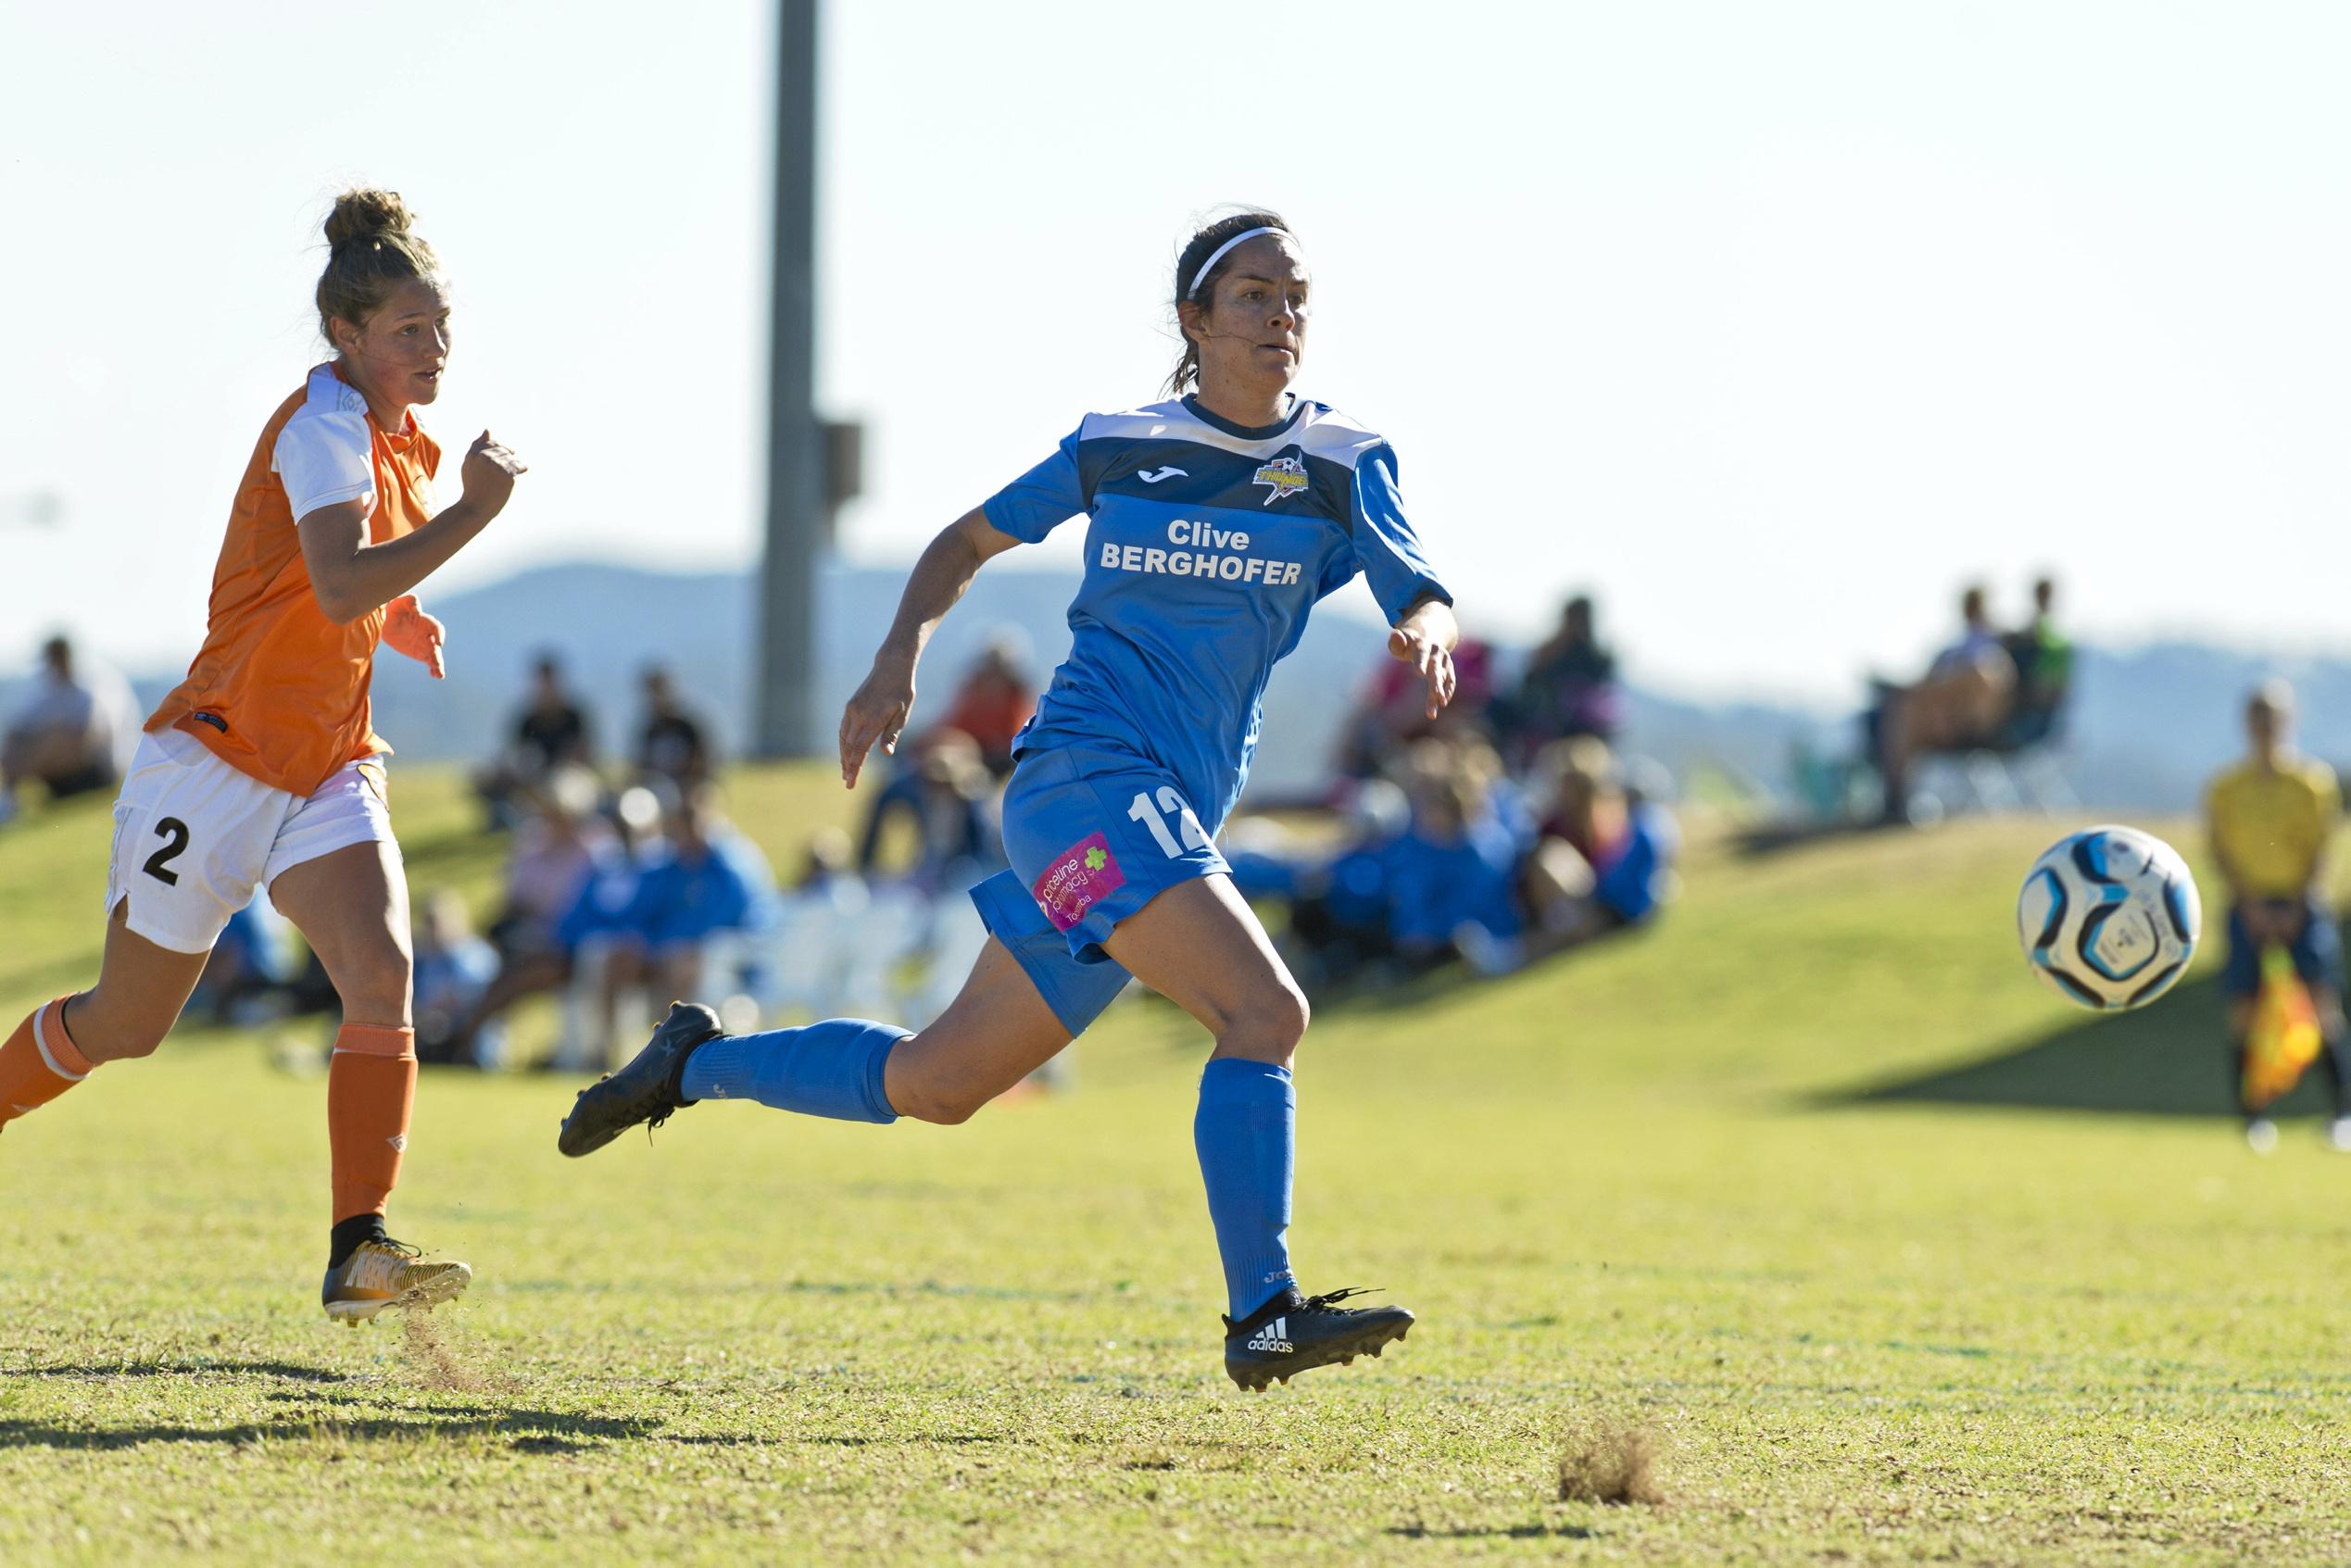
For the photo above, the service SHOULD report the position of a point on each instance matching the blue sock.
(1247, 1135)
(829, 1069)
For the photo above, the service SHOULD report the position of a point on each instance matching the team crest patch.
(1283, 476)
(1080, 877)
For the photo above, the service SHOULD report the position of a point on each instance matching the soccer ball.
(2109, 917)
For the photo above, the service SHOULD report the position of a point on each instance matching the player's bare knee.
(104, 1032)
(1297, 1012)
(374, 983)
(129, 1042)
(1269, 1026)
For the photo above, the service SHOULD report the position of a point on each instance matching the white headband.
(1218, 254)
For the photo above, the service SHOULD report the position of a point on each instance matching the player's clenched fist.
(490, 469)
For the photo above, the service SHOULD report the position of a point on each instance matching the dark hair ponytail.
(1190, 284)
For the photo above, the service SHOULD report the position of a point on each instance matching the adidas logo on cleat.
(1274, 1336)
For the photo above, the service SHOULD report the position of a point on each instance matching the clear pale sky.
(1772, 324)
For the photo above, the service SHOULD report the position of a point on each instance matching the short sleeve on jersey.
(1385, 544)
(1040, 500)
(324, 456)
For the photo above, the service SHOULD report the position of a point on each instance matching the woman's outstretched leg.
(1198, 943)
(997, 1032)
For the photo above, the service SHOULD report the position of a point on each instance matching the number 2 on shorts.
(175, 833)
(1155, 818)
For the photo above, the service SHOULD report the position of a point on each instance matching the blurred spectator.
(672, 743)
(1455, 864)
(1393, 711)
(1570, 687)
(828, 864)
(2270, 817)
(558, 845)
(2043, 660)
(542, 960)
(709, 879)
(1344, 916)
(1961, 702)
(996, 699)
(706, 884)
(1452, 874)
(454, 969)
(1337, 898)
(948, 799)
(248, 975)
(551, 732)
(1605, 858)
(73, 732)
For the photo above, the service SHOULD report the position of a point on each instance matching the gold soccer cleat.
(388, 1273)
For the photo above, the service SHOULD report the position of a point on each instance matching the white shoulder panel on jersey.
(1323, 431)
(1334, 437)
(324, 454)
(1155, 422)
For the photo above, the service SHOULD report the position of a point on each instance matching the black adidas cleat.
(646, 1090)
(1291, 1333)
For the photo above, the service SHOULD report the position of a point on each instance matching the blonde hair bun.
(365, 213)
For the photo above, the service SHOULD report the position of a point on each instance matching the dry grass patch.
(1610, 1463)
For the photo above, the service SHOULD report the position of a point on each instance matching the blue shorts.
(2317, 953)
(1092, 836)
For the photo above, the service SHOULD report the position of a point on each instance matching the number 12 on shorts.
(1154, 817)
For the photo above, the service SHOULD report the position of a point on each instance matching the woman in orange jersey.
(261, 770)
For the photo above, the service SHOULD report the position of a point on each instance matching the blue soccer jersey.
(1207, 544)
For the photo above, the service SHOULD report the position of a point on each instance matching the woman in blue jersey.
(1216, 522)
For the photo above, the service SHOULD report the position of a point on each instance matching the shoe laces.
(672, 1095)
(389, 1245)
(1332, 1299)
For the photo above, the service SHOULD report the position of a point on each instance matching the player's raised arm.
(353, 578)
(878, 710)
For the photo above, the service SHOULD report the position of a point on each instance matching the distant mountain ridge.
(2148, 724)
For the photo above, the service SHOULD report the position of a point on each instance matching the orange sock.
(371, 1091)
(39, 1062)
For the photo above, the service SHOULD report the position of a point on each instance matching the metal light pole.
(795, 479)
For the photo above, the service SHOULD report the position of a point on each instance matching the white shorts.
(194, 837)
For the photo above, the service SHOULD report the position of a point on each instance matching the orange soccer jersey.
(279, 691)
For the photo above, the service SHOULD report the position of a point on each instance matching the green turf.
(1895, 1256)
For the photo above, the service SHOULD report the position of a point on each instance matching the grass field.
(1895, 1257)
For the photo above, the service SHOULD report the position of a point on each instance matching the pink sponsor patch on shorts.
(1078, 879)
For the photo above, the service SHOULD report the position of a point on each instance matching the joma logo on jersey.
(1284, 476)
